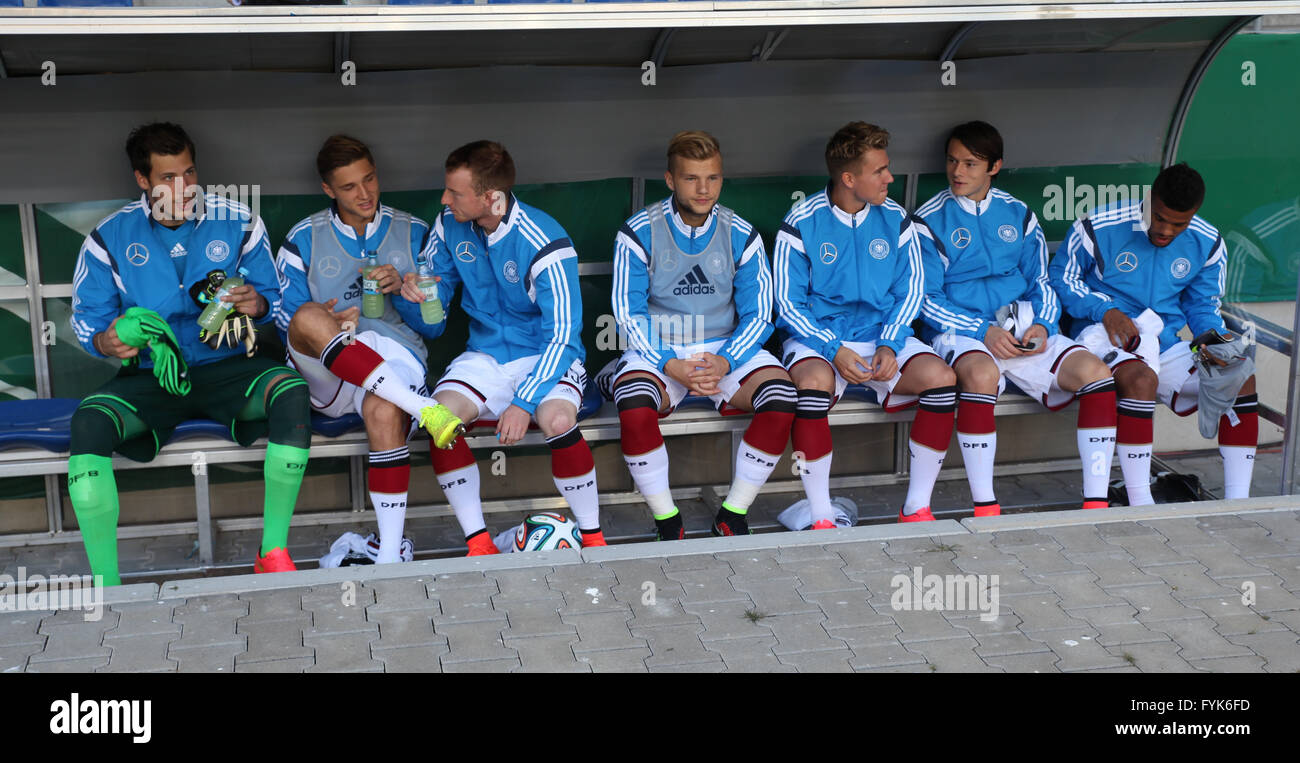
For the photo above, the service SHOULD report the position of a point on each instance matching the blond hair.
(693, 144)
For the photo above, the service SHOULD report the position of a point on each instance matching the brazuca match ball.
(545, 531)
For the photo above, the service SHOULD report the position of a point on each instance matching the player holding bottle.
(518, 275)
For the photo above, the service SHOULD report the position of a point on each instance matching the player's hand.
(708, 371)
(884, 363)
(681, 370)
(1120, 328)
(513, 425)
(109, 344)
(1039, 331)
(1207, 338)
(1001, 343)
(346, 319)
(852, 366)
(411, 290)
(388, 278)
(247, 301)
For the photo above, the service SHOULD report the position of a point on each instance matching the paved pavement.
(1207, 586)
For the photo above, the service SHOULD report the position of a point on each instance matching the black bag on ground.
(1168, 487)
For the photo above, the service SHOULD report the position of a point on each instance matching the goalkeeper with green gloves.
(143, 277)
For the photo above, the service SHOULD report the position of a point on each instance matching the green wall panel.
(1242, 138)
(17, 369)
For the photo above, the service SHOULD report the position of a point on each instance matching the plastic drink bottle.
(217, 311)
(372, 300)
(431, 307)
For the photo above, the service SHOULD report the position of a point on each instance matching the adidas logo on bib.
(695, 282)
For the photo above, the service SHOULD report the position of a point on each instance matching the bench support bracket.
(202, 502)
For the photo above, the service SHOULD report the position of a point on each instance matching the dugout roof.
(567, 94)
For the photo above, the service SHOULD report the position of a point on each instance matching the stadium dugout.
(1092, 99)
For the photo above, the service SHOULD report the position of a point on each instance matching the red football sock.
(1133, 430)
(1097, 410)
(457, 457)
(640, 430)
(769, 431)
(974, 417)
(353, 362)
(933, 425)
(570, 455)
(1246, 433)
(390, 479)
(574, 472)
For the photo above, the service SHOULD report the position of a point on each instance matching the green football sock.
(94, 500)
(283, 472)
(735, 509)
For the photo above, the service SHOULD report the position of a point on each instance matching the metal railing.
(1282, 341)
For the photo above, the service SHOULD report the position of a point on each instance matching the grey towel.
(1220, 385)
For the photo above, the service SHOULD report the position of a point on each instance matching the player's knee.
(817, 377)
(978, 376)
(278, 384)
(460, 406)
(311, 326)
(1092, 370)
(933, 373)
(288, 411)
(556, 421)
(1137, 381)
(382, 414)
(96, 430)
(637, 392)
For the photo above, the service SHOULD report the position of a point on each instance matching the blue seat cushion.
(200, 428)
(334, 427)
(47, 424)
(694, 402)
(592, 400)
(861, 393)
(44, 424)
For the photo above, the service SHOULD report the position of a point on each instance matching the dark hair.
(489, 164)
(980, 138)
(340, 151)
(162, 138)
(847, 147)
(1179, 187)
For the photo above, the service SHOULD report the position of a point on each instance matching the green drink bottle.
(372, 300)
(217, 311)
(431, 307)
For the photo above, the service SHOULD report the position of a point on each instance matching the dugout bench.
(34, 437)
